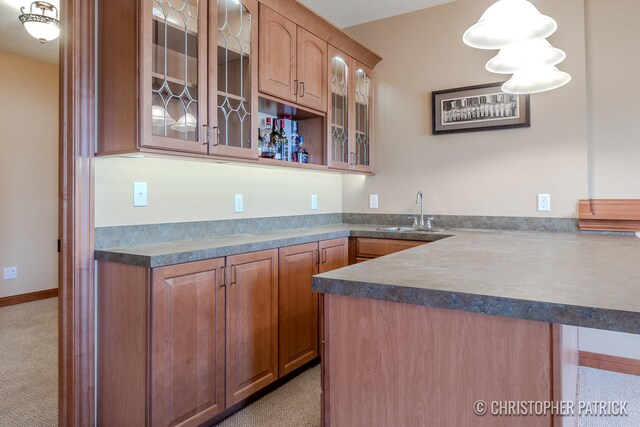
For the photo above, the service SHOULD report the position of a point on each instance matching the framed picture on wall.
(477, 108)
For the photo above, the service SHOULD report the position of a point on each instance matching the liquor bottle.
(284, 143)
(294, 141)
(266, 139)
(303, 155)
(274, 141)
(259, 143)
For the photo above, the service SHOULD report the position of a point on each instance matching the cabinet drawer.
(373, 248)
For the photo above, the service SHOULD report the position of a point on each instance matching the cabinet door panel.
(187, 335)
(340, 112)
(252, 323)
(233, 77)
(363, 103)
(298, 306)
(312, 70)
(174, 75)
(277, 55)
(333, 254)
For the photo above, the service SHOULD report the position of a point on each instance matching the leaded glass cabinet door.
(233, 79)
(362, 155)
(174, 78)
(339, 113)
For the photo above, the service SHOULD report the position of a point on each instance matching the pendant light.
(43, 25)
(506, 22)
(525, 54)
(535, 80)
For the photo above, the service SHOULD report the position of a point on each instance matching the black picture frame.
(478, 108)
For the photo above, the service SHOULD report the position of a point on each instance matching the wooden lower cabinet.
(181, 344)
(187, 343)
(298, 304)
(252, 323)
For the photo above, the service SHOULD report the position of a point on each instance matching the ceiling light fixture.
(519, 30)
(536, 80)
(506, 22)
(43, 25)
(525, 54)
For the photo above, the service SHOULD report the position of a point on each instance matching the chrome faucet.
(420, 201)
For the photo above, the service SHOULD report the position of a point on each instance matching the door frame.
(77, 124)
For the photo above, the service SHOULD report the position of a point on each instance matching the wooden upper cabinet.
(277, 55)
(349, 113)
(252, 323)
(298, 306)
(312, 70)
(233, 78)
(293, 61)
(334, 254)
(187, 343)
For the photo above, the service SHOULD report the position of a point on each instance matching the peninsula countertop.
(568, 278)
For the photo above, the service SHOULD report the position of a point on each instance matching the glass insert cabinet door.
(234, 79)
(175, 82)
(339, 111)
(363, 114)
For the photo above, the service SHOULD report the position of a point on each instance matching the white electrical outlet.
(373, 201)
(239, 203)
(544, 202)
(314, 202)
(139, 194)
(10, 273)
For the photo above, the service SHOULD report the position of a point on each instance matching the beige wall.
(187, 190)
(613, 63)
(28, 173)
(483, 173)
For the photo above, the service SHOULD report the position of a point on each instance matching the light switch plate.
(239, 203)
(139, 194)
(544, 203)
(314, 201)
(10, 273)
(373, 201)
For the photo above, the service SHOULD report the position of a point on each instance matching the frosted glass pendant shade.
(536, 80)
(525, 55)
(506, 22)
(187, 122)
(160, 116)
(43, 25)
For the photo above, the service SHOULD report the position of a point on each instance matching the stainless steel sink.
(411, 229)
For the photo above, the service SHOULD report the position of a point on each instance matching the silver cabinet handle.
(204, 136)
(295, 87)
(217, 141)
(301, 89)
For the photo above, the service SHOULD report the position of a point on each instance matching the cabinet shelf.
(173, 80)
(232, 96)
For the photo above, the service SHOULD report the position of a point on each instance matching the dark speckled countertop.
(177, 252)
(567, 278)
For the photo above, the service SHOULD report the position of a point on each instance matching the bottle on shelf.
(294, 141)
(284, 142)
(302, 155)
(267, 150)
(274, 141)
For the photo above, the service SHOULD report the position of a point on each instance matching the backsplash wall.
(188, 190)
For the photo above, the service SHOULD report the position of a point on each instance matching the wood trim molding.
(315, 24)
(609, 214)
(31, 296)
(605, 362)
(75, 216)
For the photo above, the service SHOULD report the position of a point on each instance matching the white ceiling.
(15, 39)
(345, 13)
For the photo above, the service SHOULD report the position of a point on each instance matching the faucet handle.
(430, 221)
(415, 220)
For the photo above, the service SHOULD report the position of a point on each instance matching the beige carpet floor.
(29, 364)
(295, 404)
